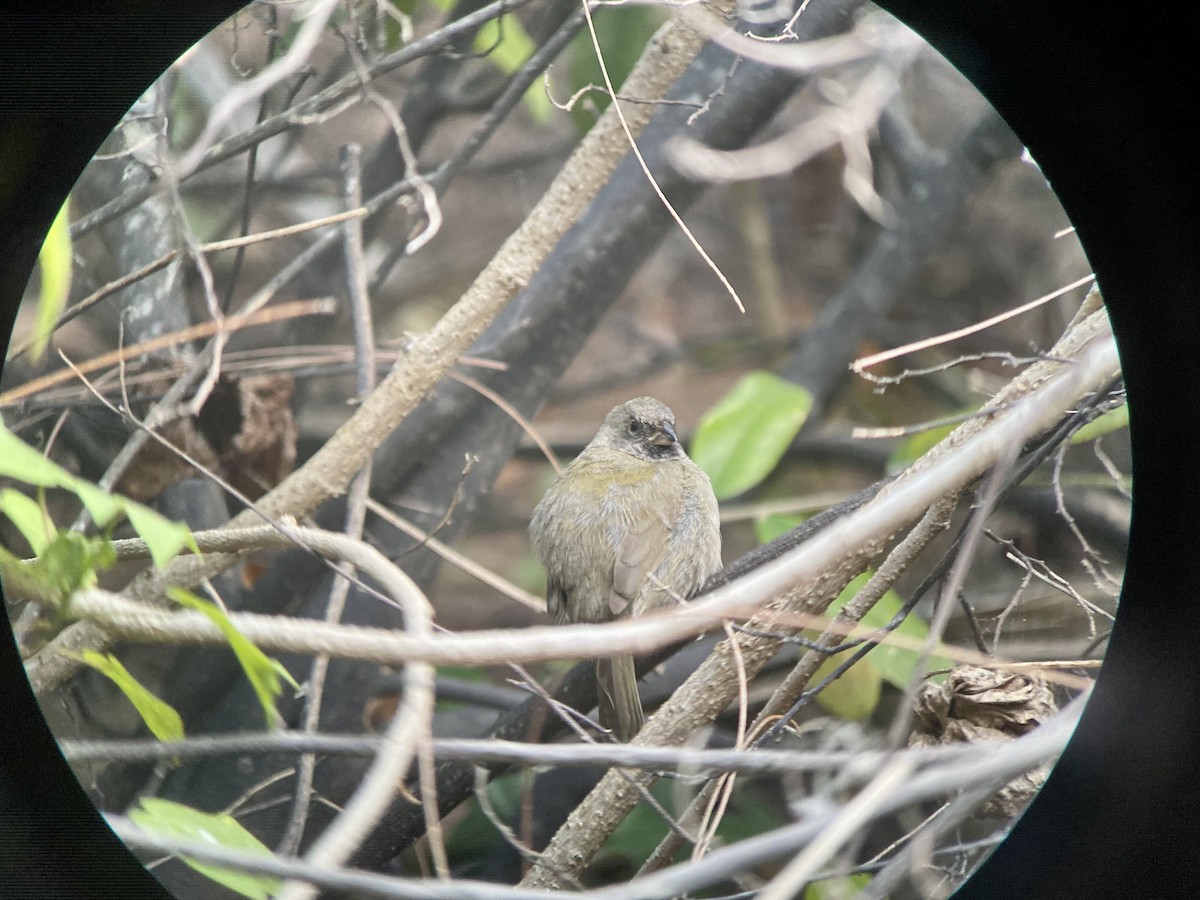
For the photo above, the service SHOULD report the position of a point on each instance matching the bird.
(629, 526)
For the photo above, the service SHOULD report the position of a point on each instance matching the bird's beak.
(666, 435)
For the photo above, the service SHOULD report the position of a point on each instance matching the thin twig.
(167, 258)
(874, 359)
(513, 413)
(320, 306)
(463, 563)
(633, 147)
(356, 502)
(329, 98)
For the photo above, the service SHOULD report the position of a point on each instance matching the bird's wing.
(642, 549)
(556, 601)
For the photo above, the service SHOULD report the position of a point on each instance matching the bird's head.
(643, 427)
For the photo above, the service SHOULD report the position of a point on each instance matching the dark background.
(1102, 99)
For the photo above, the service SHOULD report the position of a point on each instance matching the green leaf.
(165, 538)
(742, 438)
(20, 461)
(161, 718)
(263, 672)
(29, 517)
(175, 820)
(1112, 420)
(54, 261)
(841, 888)
(103, 507)
(897, 665)
(855, 693)
(71, 560)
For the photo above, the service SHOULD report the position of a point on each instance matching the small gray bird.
(629, 526)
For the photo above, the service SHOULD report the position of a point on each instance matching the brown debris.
(245, 433)
(976, 704)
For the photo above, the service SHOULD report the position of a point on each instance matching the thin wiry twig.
(248, 181)
(483, 798)
(1092, 561)
(316, 307)
(221, 334)
(637, 153)
(278, 528)
(166, 259)
(299, 51)
(1010, 360)
(985, 503)
(512, 413)
(984, 765)
(330, 98)
(875, 358)
(356, 502)
(458, 560)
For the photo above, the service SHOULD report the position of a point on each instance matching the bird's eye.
(635, 426)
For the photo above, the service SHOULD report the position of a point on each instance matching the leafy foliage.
(54, 264)
(160, 717)
(175, 820)
(21, 462)
(265, 674)
(741, 439)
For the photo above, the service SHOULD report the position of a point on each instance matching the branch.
(1045, 390)
(329, 470)
(959, 459)
(982, 765)
(688, 760)
(289, 118)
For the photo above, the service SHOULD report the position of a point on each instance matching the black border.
(67, 74)
(1103, 96)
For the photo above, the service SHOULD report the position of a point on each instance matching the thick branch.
(1045, 390)
(328, 472)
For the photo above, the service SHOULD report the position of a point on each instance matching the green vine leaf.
(264, 673)
(54, 266)
(175, 820)
(742, 438)
(160, 717)
(164, 538)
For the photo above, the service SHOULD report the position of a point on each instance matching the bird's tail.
(617, 697)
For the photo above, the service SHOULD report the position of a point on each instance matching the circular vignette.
(1095, 96)
(68, 72)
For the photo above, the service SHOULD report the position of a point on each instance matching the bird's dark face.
(644, 428)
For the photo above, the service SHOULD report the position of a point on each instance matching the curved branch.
(330, 469)
(1046, 388)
